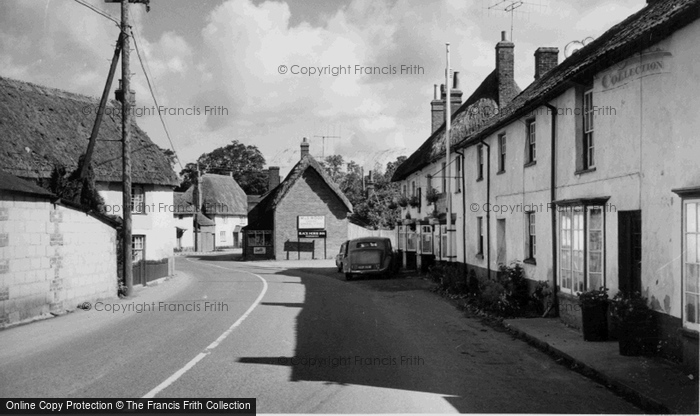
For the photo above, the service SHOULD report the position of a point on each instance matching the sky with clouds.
(227, 53)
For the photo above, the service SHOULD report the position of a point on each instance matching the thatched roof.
(222, 195)
(182, 202)
(41, 126)
(481, 105)
(656, 21)
(260, 217)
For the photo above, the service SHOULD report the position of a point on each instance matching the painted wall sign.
(639, 66)
(311, 233)
(311, 222)
(259, 250)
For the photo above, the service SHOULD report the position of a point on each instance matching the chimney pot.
(504, 36)
(455, 78)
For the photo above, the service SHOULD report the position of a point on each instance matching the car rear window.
(367, 244)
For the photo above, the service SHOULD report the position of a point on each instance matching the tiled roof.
(260, 217)
(639, 31)
(12, 184)
(42, 126)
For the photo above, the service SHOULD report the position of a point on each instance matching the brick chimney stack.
(437, 106)
(304, 148)
(370, 184)
(546, 58)
(273, 177)
(505, 70)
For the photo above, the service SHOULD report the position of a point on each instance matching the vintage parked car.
(340, 257)
(369, 256)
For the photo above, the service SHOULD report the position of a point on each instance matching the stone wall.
(52, 258)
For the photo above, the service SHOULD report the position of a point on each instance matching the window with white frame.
(402, 237)
(458, 175)
(444, 252)
(444, 177)
(138, 247)
(581, 248)
(138, 200)
(411, 240)
(531, 240)
(691, 264)
(531, 141)
(502, 153)
(404, 190)
(479, 162)
(222, 236)
(588, 116)
(480, 235)
(426, 239)
(413, 188)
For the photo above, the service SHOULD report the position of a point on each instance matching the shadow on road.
(342, 339)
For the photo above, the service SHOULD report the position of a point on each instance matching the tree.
(244, 163)
(333, 166)
(376, 209)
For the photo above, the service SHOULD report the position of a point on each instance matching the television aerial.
(573, 46)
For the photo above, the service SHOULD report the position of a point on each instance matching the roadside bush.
(449, 277)
(505, 295)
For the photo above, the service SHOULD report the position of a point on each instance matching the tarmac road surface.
(299, 340)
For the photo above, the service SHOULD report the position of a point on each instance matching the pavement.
(654, 384)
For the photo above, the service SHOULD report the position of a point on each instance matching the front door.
(630, 250)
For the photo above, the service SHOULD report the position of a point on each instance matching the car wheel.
(348, 276)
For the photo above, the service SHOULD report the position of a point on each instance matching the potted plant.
(594, 314)
(414, 202)
(633, 319)
(402, 201)
(432, 196)
(392, 204)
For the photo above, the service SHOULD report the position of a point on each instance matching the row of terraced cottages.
(589, 177)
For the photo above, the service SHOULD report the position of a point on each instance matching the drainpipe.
(464, 208)
(553, 213)
(488, 204)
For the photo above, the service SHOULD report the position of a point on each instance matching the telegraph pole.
(126, 151)
(448, 120)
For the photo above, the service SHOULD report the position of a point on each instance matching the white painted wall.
(226, 224)
(157, 224)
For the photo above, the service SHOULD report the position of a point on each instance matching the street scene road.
(298, 339)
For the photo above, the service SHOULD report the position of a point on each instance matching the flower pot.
(594, 320)
(632, 337)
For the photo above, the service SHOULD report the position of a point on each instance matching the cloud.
(232, 62)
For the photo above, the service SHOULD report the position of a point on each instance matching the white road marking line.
(170, 380)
